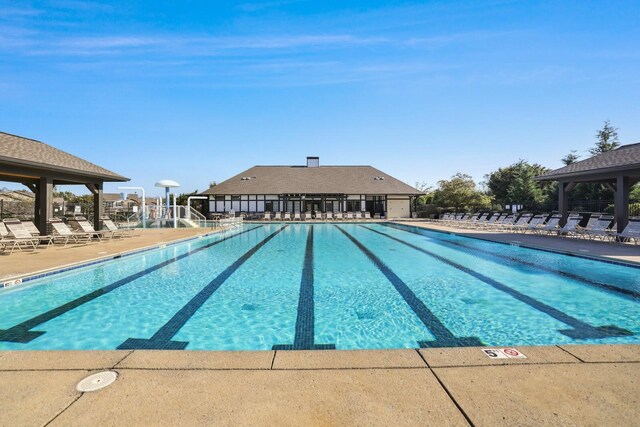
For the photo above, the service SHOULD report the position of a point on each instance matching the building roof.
(19, 151)
(111, 197)
(17, 195)
(625, 158)
(312, 180)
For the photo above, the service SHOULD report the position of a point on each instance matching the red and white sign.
(503, 353)
(15, 282)
(513, 353)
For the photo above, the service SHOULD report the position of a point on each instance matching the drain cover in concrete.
(97, 381)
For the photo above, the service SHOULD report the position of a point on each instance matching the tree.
(425, 188)
(523, 189)
(514, 183)
(635, 193)
(570, 158)
(459, 192)
(606, 139)
(181, 198)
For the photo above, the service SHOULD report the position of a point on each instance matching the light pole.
(144, 210)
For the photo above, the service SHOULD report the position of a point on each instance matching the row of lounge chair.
(16, 234)
(328, 216)
(598, 227)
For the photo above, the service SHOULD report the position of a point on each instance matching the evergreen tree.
(606, 139)
(523, 189)
(570, 158)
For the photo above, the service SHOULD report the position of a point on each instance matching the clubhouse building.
(313, 189)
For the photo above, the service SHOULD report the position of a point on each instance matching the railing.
(229, 223)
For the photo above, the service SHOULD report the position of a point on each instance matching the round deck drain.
(97, 381)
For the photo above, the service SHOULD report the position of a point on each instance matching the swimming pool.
(324, 286)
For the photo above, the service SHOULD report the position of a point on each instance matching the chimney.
(313, 162)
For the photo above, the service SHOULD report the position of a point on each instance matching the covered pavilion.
(40, 167)
(617, 169)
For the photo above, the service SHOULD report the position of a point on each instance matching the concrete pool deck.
(53, 257)
(612, 251)
(559, 385)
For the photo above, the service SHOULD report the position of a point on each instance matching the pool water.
(324, 286)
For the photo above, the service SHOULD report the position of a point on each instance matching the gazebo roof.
(623, 160)
(22, 159)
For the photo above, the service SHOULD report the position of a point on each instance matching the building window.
(353, 205)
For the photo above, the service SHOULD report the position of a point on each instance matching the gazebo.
(617, 169)
(40, 166)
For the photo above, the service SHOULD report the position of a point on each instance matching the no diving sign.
(503, 353)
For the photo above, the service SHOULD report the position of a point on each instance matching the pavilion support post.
(98, 203)
(43, 204)
(563, 202)
(621, 207)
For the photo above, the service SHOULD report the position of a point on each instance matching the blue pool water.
(322, 286)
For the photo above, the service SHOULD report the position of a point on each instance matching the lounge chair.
(473, 222)
(462, 217)
(267, 216)
(490, 221)
(277, 216)
(462, 220)
(5, 242)
(445, 217)
(350, 216)
(483, 220)
(630, 233)
(33, 230)
(86, 227)
(533, 224)
(552, 224)
(287, 216)
(62, 233)
(117, 232)
(519, 223)
(571, 227)
(8, 241)
(296, 216)
(17, 232)
(600, 228)
(367, 215)
(503, 222)
(581, 231)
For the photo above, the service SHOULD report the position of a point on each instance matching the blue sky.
(198, 91)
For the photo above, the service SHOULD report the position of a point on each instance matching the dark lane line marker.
(605, 286)
(161, 340)
(305, 321)
(21, 333)
(581, 330)
(444, 337)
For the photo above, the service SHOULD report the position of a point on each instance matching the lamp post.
(144, 211)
